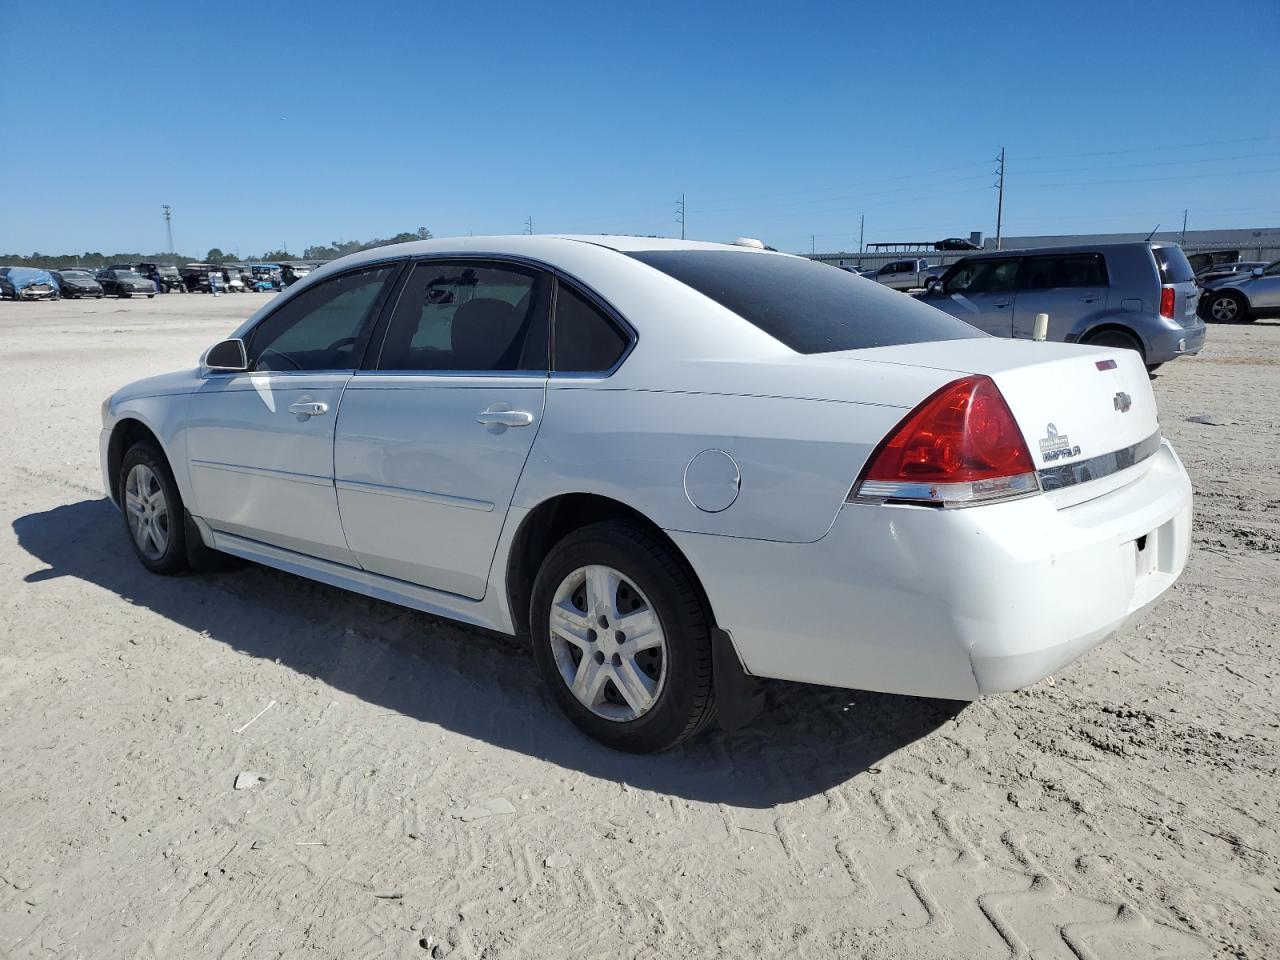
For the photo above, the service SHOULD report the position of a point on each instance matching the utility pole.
(1183, 241)
(680, 213)
(1000, 205)
(528, 224)
(862, 225)
(168, 224)
(813, 244)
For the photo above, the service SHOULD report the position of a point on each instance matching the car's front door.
(1071, 288)
(1264, 291)
(260, 443)
(433, 436)
(981, 293)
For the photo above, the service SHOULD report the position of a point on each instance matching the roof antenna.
(1153, 232)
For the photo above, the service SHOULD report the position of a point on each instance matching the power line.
(1174, 146)
(1158, 163)
(1192, 176)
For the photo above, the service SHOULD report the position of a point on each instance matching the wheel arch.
(127, 431)
(555, 518)
(1110, 325)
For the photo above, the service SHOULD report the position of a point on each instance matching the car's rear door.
(260, 443)
(432, 437)
(1069, 287)
(981, 292)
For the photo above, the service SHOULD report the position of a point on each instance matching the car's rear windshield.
(810, 307)
(1173, 264)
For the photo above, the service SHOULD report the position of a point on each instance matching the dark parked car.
(77, 283)
(27, 283)
(164, 275)
(956, 243)
(125, 282)
(197, 277)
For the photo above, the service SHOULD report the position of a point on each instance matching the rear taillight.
(960, 446)
(1166, 302)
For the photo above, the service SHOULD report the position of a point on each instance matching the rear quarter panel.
(797, 458)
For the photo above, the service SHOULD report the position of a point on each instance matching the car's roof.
(1073, 248)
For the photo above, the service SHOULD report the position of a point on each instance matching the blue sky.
(304, 123)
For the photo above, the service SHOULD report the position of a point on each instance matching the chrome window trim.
(1103, 465)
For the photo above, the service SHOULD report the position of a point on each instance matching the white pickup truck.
(913, 274)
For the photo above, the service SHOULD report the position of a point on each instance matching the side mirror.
(229, 356)
(1258, 271)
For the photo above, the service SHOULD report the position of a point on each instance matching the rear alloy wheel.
(1227, 307)
(622, 639)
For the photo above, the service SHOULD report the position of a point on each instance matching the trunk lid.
(1072, 403)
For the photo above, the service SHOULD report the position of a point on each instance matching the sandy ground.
(1129, 810)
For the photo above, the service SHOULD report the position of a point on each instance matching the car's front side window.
(983, 276)
(323, 327)
(468, 316)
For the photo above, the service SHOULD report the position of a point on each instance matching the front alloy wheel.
(608, 644)
(147, 511)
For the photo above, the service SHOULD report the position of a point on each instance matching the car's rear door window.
(810, 307)
(468, 316)
(1065, 270)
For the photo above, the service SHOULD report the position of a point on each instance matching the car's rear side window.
(1173, 265)
(586, 341)
(810, 307)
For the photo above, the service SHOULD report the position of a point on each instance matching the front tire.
(1227, 307)
(154, 517)
(622, 638)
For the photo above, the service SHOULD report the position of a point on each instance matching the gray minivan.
(1142, 296)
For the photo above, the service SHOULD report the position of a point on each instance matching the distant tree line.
(93, 260)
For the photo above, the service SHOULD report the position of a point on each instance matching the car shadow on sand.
(478, 683)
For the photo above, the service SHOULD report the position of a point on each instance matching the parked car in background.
(956, 243)
(125, 282)
(1218, 271)
(27, 283)
(77, 284)
(913, 274)
(1211, 258)
(164, 275)
(1243, 297)
(545, 436)
(291, 273)
(1141, 296)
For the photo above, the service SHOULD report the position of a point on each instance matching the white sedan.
(676, 466)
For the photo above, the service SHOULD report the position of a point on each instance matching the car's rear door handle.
(1002, 303)
(308, 408)
(500, 415)
(1090, 299)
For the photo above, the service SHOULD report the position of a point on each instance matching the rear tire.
(1117, 338)
(154, 517)
(1226, 307)
(675, 698)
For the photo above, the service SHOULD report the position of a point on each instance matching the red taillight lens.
(1166, 302)
(960, 446)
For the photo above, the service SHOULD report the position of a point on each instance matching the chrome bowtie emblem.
(1122, 402)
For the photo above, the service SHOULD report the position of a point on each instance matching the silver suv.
(1142, 296)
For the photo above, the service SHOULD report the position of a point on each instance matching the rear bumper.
(1175, 341)
(950, 603)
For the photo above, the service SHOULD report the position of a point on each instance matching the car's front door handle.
(1090, 299)
(308, 408)
(497, 417)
